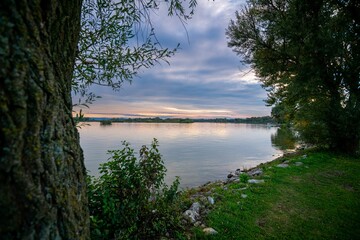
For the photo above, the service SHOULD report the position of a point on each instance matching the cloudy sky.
(205, 79)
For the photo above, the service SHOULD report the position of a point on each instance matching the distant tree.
(307, 55)
(42, 173)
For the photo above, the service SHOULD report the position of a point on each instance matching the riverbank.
(307, 195)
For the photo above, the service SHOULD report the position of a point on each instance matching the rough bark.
(42, 174)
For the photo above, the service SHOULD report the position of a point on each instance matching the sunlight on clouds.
(246, 76)
(197, 111)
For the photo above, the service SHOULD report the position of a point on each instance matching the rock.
(230, 175)
(238, 172)
(282, 165)
(243, 195)
(255, 172)
(211, 200)
(304, 156)
(195, 207)
(193, 213)
(209, 231)
(256, 181)
(298, 163)
(230, 180)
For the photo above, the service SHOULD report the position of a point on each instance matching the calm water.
(197, 152)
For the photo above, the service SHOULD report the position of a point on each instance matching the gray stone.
(282, 165)
(298, 163)
(195, 207)
(238, 172)
(211, 200)
(234, 178)
(243, 195)
(255, 172)
(193, 213)
(256, 181)
(230, 175)
(209, 231)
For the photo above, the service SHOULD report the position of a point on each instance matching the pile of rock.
(197, 211)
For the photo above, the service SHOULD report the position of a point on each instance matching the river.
(197, 152)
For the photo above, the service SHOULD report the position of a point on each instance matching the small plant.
(130, 199)
(244, 178)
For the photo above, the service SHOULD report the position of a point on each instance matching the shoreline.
(286, 153)
(300, 192)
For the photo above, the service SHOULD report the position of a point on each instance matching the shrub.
(244, 178)
(129, 200)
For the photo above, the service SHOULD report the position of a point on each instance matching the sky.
(205, 78)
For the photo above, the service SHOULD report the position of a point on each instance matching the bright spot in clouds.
(205, 78)
(196, 110)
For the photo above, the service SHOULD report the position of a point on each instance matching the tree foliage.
(307, 56)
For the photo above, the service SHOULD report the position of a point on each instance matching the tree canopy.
(307, 54)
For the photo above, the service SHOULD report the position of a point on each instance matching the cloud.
(204, 79)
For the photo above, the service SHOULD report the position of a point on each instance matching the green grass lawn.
(317, 200)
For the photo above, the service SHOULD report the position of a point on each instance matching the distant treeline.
(252, 120)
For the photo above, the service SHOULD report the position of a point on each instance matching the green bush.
(244, 178)
(130, 199)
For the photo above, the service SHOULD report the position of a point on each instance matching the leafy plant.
(244, 178)
(130, 199)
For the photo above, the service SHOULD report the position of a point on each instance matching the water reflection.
(197, 152)
(283, 139)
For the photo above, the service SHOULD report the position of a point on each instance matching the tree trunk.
(42, 173)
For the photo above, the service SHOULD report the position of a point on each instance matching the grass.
(317, 200)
